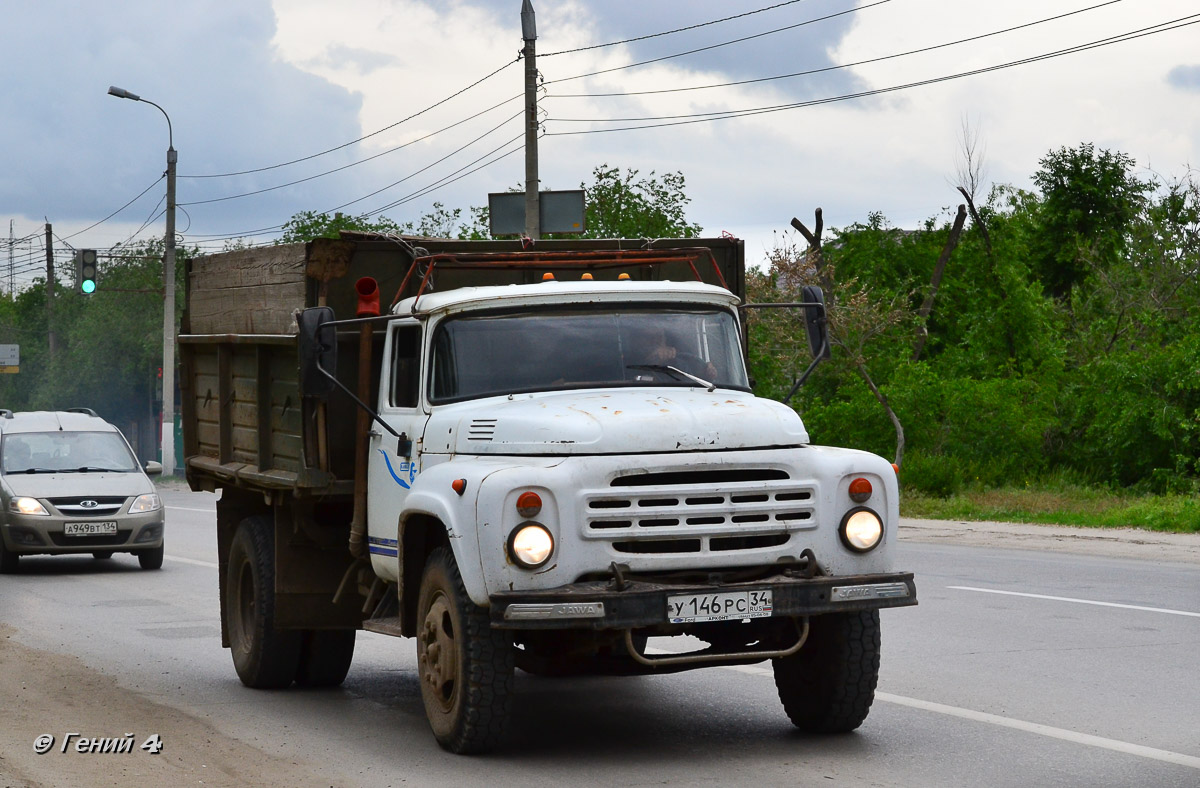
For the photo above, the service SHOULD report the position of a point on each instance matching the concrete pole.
(52, 339)
(168, 409)
(533, 221)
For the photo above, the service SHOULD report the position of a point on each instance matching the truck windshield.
(522, 351)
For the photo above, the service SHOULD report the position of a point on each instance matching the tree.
(625, 206)
(307, 225)
(1090, 199)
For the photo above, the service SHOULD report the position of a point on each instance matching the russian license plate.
(90, 529)
(723, 606)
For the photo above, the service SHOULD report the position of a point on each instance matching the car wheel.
(265, 657)
(149, 559)
(829, 684)
(325, 657)
(102, 555)
(465, 667)
(8, 560)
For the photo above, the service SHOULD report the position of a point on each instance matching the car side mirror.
(153, 467)
(318, 352)
(815, 324)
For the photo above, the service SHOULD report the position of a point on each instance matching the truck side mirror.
(318, 352)
(815, 324)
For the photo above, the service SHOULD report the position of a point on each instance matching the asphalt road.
(1019, 667)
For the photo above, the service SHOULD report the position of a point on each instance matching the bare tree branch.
(936, 281)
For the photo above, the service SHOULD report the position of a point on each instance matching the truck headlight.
(530, 545)
(861, 529)
(27, 506)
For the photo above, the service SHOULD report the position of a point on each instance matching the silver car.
(69, 483)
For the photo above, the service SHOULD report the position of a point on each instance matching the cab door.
(393, 465)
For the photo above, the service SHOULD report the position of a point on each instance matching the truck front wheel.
(829, 684)
(265, 658)
(464, 666)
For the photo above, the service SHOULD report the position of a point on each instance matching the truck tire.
(265, 658)
(464, 666)
(150, 559)
(325, 657)
(8, 560)
(829, 684)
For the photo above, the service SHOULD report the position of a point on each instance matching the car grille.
(700, 511)
(95, 540)
(105, 505)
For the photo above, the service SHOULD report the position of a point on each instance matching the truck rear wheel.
(464, 666)
(325, 657)
(265, 658)
(829, 684)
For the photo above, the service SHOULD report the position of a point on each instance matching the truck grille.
(700, 511)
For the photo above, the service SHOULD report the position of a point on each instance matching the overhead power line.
(704, 117)
(837, 67)
(360, 139)
(731, 42)
(672, 32)
(354, 163)
(123, 207)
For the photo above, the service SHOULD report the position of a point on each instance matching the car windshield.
(54, 452)
(522, 351)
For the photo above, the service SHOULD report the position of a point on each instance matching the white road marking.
(1078, 601)
(190, 509)
(1045, 730)
(1007, 722)
(191, 561)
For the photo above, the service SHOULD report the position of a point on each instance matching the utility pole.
(533, 221)
(168, 380)
(50, 289)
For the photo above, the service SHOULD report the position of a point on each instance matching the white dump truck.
(524, 458)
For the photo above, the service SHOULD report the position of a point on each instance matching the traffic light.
(85, 271)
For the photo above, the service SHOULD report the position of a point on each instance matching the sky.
(358, 106)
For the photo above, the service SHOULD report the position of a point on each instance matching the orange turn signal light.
(529, 504)
(860, 490)
(586, 276)
(623, 276)
(548, 276)
(459, 486)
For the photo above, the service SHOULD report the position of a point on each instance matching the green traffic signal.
(85, 270)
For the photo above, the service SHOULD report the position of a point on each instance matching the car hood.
(614, 421)
(63, 485)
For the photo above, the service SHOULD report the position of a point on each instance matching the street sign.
(10, 358)
(561, 212)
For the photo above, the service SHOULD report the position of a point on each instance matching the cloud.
(1184, 77)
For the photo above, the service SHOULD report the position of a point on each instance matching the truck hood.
(613, 421)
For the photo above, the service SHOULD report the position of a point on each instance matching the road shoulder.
(1106, 542)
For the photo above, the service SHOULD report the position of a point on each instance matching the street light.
(168, 408)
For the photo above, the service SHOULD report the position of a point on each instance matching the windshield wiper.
(97, 469)
(679, 373)
(40, 470)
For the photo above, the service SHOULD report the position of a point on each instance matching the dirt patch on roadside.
(1107, 542)
(46, 693)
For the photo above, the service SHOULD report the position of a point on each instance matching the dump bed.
(245, 422)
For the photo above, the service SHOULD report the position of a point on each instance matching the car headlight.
(145, 503)
(861, 529)
(27, 506)
(530, 545)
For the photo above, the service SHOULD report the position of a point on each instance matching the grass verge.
(1060, 505)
